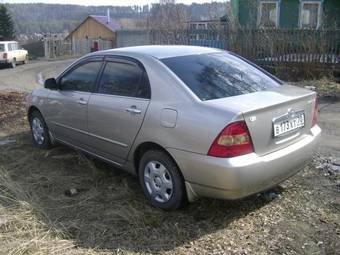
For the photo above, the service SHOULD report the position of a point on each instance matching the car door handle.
(133, 110)
(81, 101)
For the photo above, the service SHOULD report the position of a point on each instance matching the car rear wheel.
(161, 180)
(40, 133)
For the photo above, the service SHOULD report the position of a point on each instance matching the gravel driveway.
(27, 77)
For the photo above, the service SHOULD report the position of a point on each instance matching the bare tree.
(169, 23)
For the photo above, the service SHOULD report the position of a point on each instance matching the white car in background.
(11, 54)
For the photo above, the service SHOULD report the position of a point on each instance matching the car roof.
(164, 51)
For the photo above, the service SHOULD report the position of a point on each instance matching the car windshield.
(2, 47)
(219, 75)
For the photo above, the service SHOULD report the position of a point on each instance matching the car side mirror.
(51, 83)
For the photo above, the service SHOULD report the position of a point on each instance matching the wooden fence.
(284, 50)
(286, 45)
(55, 47)
(278, 50)
(35, 49)
(271, 45)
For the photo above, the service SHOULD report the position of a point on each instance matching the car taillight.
(315, 114)
(234, 140)
(5, 55)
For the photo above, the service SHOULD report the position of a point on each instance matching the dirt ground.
(28, 77)
(109, 214)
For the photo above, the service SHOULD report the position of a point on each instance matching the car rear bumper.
(242, 176)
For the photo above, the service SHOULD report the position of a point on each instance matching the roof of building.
(112, 25)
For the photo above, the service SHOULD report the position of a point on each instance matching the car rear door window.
(124, 79)
(219, 75)
(2, 47)
(82, 78)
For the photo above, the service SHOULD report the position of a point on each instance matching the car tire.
(14, 63)
(39, 131)
(161, 180)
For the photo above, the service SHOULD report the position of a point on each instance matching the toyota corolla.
(188, 121)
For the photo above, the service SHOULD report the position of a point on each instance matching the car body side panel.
(38, 99)
(194, 119)
(112, 129)
(66, 117)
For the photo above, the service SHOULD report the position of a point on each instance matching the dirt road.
(27, 77)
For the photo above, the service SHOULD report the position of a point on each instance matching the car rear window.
(219, 75)
(2, 47)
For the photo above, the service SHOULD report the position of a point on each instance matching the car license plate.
(289, 123)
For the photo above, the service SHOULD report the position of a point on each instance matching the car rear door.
(116, 111)
(16, 52)
(66, 110)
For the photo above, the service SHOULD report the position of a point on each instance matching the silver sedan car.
(188, 121)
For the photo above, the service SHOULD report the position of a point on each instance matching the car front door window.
(82, 78)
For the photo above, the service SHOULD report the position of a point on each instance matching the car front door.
(66, 109)
(116, 112)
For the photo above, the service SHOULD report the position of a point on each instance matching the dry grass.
(111, 216)
(324, 87)
(22, 232)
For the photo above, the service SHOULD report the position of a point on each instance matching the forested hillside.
(56, 18)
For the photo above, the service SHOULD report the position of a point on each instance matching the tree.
(168, 17)
(7, 31)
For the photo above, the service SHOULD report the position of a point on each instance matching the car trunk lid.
(261, 109)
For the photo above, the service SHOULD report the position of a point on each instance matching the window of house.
(201, 26)
(310, 14)
(193, 26)
(268, 14)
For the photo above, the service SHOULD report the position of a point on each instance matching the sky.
(104, 2)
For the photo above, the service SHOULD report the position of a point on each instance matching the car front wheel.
(39, 129)
(161, 180)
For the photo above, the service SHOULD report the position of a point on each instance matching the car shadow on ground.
(108, 210)
(2, 67)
